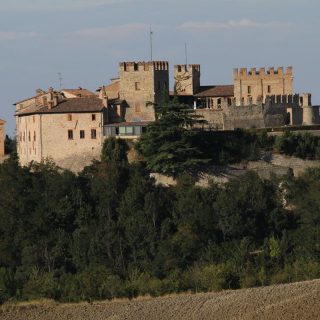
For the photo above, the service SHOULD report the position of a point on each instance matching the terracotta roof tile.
(216, 91)
(72, 105)
(80, 92)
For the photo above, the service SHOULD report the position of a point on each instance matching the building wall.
(141, 83)
(253, 86)
(2, 137)
(46, 136)
(187, 78)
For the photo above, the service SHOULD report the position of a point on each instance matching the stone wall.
(141, 83)
(46, 136)
(256, 85)
(187, 78)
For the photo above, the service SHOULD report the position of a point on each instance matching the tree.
(114, 150)
(168, 145)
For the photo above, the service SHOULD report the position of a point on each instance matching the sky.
(84, 40)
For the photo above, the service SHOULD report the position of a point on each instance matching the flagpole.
(151, 48)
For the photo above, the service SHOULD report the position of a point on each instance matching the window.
(29, 136)
(229, 102)
(137, 86)
(93, 134)
(269, 89)
(129, 130)
(82, 134)
(34, 136)
(33, 118)
(70, 134)
(249, 89)
(93, 117)
(122, 130)
(137, 107)
(69, 117)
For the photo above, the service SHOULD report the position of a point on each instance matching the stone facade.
(69, 126)
(252, 87)
(59, 136)
(2, 137)
(187, 79)
(143, 84)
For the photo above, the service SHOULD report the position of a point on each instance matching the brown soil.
(289, 301)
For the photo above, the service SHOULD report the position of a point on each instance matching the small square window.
(82, 135)
(269, 89)
(69, 117)
(137, 86)
(93, 134)
(249, 89)
(93, 117)
(129, 130)
(137, 107)
(70, 134)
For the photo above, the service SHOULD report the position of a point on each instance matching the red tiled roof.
(216, 91)
(72, 105)
(80, 92)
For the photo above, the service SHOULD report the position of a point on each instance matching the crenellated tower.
(187, 79)
(142, 83)
(253, 86)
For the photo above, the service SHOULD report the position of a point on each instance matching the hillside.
(290, 301)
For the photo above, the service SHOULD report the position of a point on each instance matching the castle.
(70, 125)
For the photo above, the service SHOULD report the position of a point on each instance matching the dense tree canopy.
(112, 232)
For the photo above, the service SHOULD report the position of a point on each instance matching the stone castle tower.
(140, 83)
(252, 87)
(187, 79)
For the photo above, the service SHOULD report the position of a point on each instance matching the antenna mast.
(186, 52)
(60, 80)
(151, 46)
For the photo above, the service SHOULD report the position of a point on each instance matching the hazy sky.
(85, 40)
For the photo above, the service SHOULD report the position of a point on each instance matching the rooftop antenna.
(151, 47)
(186, 52)
(60, 80)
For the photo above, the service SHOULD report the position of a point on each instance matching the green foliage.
(299, 145)
(114, 150)
(168, 145)
(10, 145)
(111, 231)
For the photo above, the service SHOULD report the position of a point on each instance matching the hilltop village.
(71, 124)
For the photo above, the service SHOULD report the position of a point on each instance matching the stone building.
(2, 137)
(189, 90)
(69, 126)
(252, 87)
(65, 130)
(139, 87)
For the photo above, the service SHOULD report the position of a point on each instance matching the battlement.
(186, 68)
(253, 73)
(290, 100)
(144, 66)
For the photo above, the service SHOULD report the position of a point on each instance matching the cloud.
(112, 32)
(56, 5)
(15, 35)
(230, 24)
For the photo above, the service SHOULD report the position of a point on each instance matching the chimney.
(51, 98)
(103, 96)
